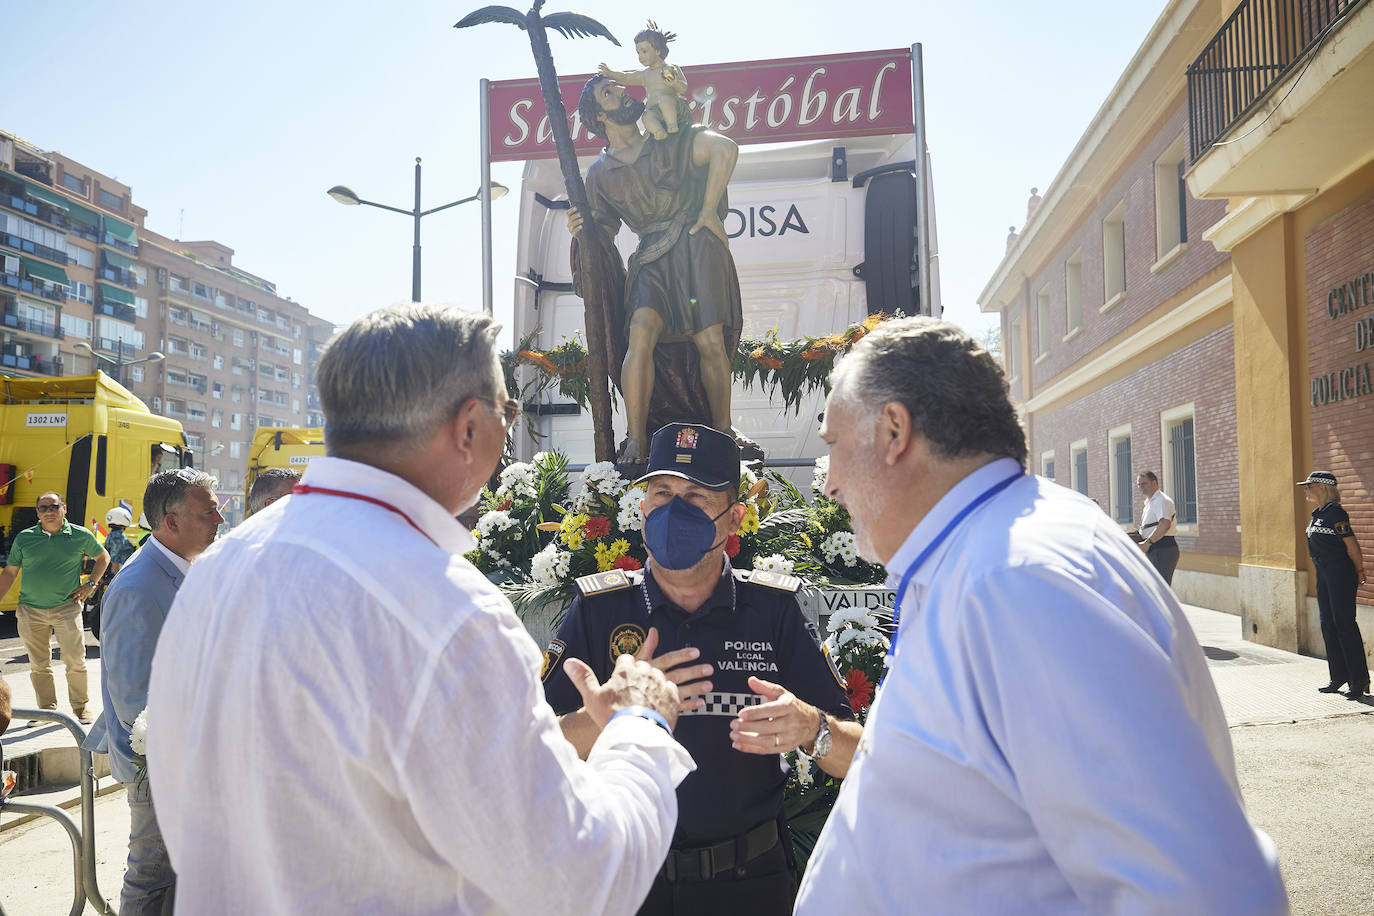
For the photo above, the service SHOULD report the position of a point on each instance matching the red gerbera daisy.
(597, 526)
(858, 688)
(732, 545)
(627, 563)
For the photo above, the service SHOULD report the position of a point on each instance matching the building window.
(1171, 196)
(1043, 322)
(217, 418)
(1012, 346)
(1114, 255)
(111, 202)
(296, 357)
(74, 183)
(1123, 480)
(234, 448)
(235, 420)
(238, 337)
(1047, 464)
(80, 292)
(136, 373)
(1180, 462)
(73, 326)
(1073, 292)
(82, 256)
(1078, 453)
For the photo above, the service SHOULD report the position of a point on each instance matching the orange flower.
(627, 562)
(764, 360)
(816, 351)
(535, 358)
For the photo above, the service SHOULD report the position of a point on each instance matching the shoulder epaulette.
(604, 583)
(768, 579)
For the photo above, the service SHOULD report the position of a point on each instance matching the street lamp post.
(494, 191)
(119, 362)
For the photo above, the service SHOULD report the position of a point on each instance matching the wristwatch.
(821, 746)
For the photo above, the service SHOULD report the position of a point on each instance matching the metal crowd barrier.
(83, 838)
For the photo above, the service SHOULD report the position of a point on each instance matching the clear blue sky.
(242, 115)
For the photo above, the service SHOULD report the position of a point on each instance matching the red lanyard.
(305, 489)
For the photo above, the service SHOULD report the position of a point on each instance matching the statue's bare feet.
(631, 452)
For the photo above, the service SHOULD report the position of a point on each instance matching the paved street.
(1303, 760)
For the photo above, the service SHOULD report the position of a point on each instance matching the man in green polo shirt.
(50, 597)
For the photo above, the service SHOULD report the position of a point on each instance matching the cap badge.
(687, 438)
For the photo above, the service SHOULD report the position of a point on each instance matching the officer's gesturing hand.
(674, 665)
(632, 683)
(775, 726)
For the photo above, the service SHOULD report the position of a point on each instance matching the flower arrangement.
(857, 641)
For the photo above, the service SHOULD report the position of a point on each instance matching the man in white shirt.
(345, 716)
(1156, 529)
(1047, 739)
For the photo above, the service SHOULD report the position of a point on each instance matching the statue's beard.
(628, 113)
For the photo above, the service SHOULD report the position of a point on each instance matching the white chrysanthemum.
(138, 735)
(599, 479)
(819, 474)
(852, 617)
(550, 566)
(775, 563)
(630, 518)
(840, 545)
(518, 481)
(805, 776)
(495, 520)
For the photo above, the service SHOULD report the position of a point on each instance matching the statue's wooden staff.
(602, 284)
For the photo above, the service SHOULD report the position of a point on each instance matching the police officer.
(752, 678)
(1335, 552)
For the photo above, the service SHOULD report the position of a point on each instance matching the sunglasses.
(49, 507)
(509, 411)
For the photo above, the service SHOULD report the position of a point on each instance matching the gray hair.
(167, 491)
(269, 483)
(395, 375)
(953, 389)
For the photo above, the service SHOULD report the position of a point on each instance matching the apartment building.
(85, 284)
(1189, 297)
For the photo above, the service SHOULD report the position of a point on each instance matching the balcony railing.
(11, 240)
(31, 364)
(117, 310)
(118, 275)
(1260, 44)
(118, 347)
(33, 326)
(118, 244)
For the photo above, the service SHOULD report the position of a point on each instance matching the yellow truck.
(85, 437)
(281, 447)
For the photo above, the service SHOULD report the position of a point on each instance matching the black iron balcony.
(43, 251)
(118, 347)
(32, 325)
(117, 310)
(1258, 45)
(31, 364)
(118, 244)
(118, 275)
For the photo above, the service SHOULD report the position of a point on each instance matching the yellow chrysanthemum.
(607, 555)
(750, 525)
(570, 530)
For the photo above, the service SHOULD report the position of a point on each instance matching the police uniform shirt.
(1326, 533)
(744, 628)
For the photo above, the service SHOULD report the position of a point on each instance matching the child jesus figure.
(663, 82)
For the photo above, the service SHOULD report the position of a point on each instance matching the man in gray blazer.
(184, 517)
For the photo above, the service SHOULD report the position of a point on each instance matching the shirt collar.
(944, 511)
(355, 477)
(182, 564)
(723, 595)
(65, 530)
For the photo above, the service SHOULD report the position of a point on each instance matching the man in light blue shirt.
(1047, 739)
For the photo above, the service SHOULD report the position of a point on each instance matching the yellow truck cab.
(281, 447)
(85, 437)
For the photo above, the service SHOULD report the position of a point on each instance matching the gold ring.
(776, 741)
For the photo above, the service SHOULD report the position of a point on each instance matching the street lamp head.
(82, 345)
(344, 195)
(498, 190)
(155, 356)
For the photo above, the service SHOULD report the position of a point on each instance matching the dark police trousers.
(1337, 582)
(761, 886)
(1163, 556)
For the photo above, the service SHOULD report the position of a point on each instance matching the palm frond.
(492, 14)
(576, 25)
(785, 518)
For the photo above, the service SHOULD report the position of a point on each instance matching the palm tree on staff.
(602, 279)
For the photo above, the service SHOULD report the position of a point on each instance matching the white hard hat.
(119, 516)
(143, 522)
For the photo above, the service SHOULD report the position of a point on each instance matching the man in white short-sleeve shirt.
(345, 716)
(1156, 529)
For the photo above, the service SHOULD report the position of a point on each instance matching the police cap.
(692, 451)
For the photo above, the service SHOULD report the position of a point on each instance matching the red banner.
(763, 101)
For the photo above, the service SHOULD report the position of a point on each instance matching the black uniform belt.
(1166, 541)
(702, 863)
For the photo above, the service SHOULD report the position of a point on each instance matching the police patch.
(1342, 529)
(626, 640)
(687, 438)
(551, 656)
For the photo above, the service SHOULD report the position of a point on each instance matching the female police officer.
(1340, 572)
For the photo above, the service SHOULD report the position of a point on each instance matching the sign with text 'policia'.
(766, 101)
(1354, 297)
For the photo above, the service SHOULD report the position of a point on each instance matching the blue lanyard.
(939, 539)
